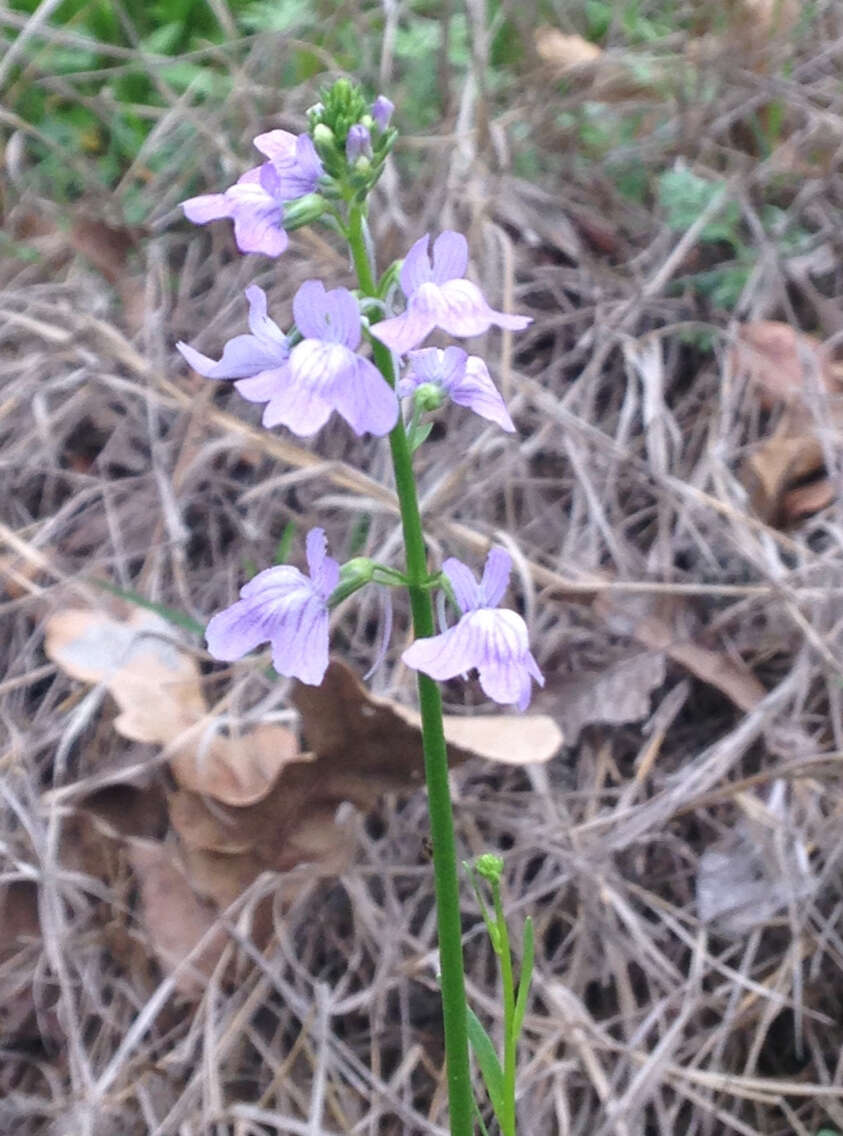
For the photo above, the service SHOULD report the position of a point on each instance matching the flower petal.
(402, 333)
(300, 642)
(450, 256)
(263, 386)
(298, 407)
(495, 576)
(207, 207)
(300, 174)
(257, 228)
(468, 592)
(475, 390)
(462, 310)
(365, 399)
(324, 570)
(445, 656)
(507, 682)
(416, 269)
(277, 145)
(330, 316)
(262, 326)
(232, 633)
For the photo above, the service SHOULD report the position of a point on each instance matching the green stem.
(510, 1041)
(460, 1099)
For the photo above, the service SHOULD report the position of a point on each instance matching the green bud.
(304, 210)
(489, 867)
(428, 396)
(354, 574)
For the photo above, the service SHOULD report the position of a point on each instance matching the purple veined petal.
(270, 181)
(324, 570)
(365, 399)
(333, 317)
(406, 386)
(262, 326)
(207, 207)
(298, 407)
(469, 594)
(432, 365)
(242, 357)
(476, 391)
(506, 682)
(402, 333)
(454, 652)
(300, 174)
(234, 632)
(450, 256)
(264, 386)
(416, 269)
(358, 143)
(277, 145)
(301, 641)
(460, 308)
(496, 574)
(281, 582)
(250, 177)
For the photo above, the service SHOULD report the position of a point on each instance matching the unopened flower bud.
(324, 141)
(304, 211)
(382, 109)
(358, 144)
(428, 396)
(489, 867)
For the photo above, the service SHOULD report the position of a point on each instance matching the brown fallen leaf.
(175, 918)
(769, 474)
(616, 694)
(341, 719)
(783, 363)
(157, 687)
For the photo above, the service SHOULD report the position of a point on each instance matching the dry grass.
(659, 1006)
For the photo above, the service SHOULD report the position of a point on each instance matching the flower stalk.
(446, 880)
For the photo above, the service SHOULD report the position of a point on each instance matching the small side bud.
(358, 144)
(304, 211)
(489, 867)
(428, 396)
(325, 142)
(382, 109)
(354, 575)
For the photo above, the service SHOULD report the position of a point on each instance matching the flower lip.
(464, 378)
(284, 607)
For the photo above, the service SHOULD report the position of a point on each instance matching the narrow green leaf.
(487, 1059)
(525, 978)
(179, 618)
(282, 552)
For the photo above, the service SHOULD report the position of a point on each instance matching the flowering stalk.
(460, 1100)
(302, 378)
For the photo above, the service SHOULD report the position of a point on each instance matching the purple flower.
(284, 607)
(438, 296)
(382, 109)
(256, 202)
(492, 639)
(464, 378)
(358, 143)
(324, 373)
(246, 356)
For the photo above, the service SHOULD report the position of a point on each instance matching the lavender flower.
(256, 201)
(438, 296)
(324, 373)
(284, 607)
(382, 109)
(492, 639)
(247, 357)
(464, 378)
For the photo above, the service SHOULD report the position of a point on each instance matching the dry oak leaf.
(157, 687)
(363, 747)
(176, 918)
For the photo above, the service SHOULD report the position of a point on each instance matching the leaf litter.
(331, 1024)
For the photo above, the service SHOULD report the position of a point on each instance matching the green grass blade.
(487, 1060)
(526, 977)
